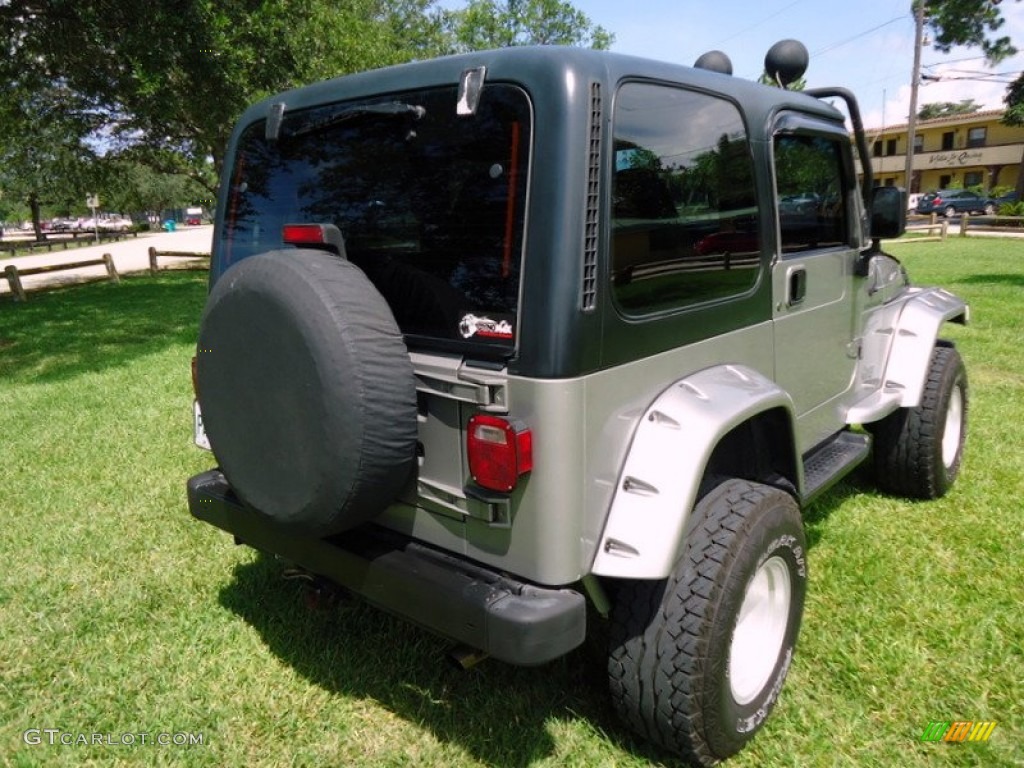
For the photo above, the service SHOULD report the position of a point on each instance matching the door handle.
(796, 286)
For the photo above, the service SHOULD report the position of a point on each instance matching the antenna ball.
(787, 61)
(715, 61)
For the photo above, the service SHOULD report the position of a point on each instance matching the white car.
(116, 224)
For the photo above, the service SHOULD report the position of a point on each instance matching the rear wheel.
(949, 212)
(697, 661)
(918, 450)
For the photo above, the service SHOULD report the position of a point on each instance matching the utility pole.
(915, 81)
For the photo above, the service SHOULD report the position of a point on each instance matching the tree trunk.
(33, 204)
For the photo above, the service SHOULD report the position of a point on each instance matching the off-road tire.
(917, 451)
(671, 640)
(307, 390)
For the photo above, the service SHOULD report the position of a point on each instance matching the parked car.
(1008, 199)
(950, 202)
(115, 224)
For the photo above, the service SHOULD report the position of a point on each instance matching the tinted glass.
(431, 205)
(811, 189)
(684, 210)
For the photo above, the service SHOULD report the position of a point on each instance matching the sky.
(866, 46)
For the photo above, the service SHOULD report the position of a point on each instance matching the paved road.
(130, 255)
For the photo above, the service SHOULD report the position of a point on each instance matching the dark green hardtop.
(558, 335)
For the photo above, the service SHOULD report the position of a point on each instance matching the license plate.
(201, 438)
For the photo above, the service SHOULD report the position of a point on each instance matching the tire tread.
(660, 632)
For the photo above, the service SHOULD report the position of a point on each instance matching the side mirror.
(888, 212)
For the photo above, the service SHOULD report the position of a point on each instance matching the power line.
(758, 23)
(829, 48)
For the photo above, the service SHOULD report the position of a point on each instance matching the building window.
(890, 147)
(876, 150)
(947, 140)
(976, 137)
(918, 144)
(973, 178)
(944, 181)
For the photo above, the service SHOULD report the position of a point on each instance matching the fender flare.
(660, 477)
(916, 332)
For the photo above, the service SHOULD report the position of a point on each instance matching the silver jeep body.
(633, 397)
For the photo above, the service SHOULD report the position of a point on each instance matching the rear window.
(431, 204)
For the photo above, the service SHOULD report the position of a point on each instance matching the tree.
(487, 24)
(970, 23)
(948, 109)
(800, 84)
(164, 82)
(169, 78)
(44, 160)
(127, 185)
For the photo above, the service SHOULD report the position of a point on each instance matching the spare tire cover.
(307, 390)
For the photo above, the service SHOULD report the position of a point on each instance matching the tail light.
(195, 377)
(303, 234)
(499, 451)
(322, 236)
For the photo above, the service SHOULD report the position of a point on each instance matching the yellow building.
(974, 150)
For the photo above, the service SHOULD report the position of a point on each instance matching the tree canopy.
(947, 109)
(160, 84)
(972, 23)
(501, 23)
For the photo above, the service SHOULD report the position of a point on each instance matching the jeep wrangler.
(530, 343)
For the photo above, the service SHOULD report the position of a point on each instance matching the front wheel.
(697, 661)
(918, 450)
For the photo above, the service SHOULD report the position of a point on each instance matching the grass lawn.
(122, 617)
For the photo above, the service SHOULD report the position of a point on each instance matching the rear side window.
(684, 210)
(431, 204)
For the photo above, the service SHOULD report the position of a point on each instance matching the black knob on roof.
(715, 61)
(786, 61)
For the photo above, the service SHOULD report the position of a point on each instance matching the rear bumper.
(513, 621)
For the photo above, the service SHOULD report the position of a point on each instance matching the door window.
(812, 193)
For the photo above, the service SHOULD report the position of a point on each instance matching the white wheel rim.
(760, 629)
(954, 426)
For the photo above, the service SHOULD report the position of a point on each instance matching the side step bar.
(832, 460)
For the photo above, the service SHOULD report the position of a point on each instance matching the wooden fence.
(201, 260)
(60, 242)
(14, 274)
(1006, 224)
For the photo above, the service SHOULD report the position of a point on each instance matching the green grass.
(119, 614)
